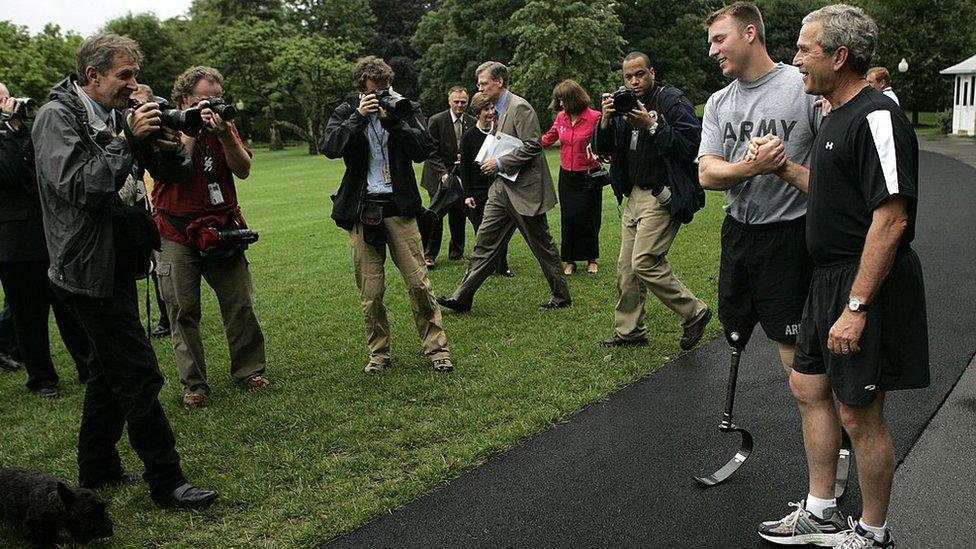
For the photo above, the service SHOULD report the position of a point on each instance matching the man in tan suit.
(521, 204)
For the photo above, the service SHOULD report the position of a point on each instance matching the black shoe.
(455, 257)
(617, 341)
(454, 304)
(8, 363)
(187, 496)
(553, 304)
(127, 477)
(160, 331)
(693, 333)
(47, 392)
(507, 273)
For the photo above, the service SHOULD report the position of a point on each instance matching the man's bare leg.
(875, 455)
(821, 430)
(787, 353)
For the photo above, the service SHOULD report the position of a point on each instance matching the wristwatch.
(855, 305)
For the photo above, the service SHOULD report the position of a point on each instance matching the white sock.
(817, 506)
(878, 531)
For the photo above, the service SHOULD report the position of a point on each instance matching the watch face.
(854, 305)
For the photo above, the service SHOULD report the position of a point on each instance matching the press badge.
(634, 136)
(387, 178)
(216, 197)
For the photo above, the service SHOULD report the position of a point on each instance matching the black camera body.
(223, 109)
(24, 110)
(624, 101)
(239, 236)
(189, 121)
(394, 103)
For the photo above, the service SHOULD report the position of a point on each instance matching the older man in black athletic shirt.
(864, 330)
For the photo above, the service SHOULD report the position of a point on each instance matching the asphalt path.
(619, 473)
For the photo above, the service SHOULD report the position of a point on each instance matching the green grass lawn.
(328, 448)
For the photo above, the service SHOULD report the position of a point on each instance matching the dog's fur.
(40, 506)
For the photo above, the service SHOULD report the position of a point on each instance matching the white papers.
(497, 146)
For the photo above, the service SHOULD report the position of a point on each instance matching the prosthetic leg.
(727, 426)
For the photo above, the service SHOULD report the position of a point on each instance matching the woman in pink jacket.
(580, 196)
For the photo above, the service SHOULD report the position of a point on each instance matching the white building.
(964, 96)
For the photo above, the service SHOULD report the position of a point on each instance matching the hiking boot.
(443, 366)
(693, 333)
(803, 527)
(859, 538)
(617, 341)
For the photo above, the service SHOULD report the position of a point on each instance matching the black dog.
(40, 506)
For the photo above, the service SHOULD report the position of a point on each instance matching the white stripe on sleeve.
(884, 141)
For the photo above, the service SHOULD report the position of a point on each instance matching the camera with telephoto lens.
(189, 121)
(224, 109)
(624, 101)
(235, 236)
(22, 111)
(394, 103)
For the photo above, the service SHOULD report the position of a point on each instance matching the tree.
(543, 57)
(455, 38)
(348, 20)
(783, 19)
(314, 72)
(672, 33)
(165, 55)
(243, 52)
(33, 64)
(931, 35)
(396, 23)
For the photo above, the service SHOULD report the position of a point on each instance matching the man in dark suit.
(520, 204)
(24, 261)
(446, 129)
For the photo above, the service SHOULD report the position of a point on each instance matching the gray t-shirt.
(773, 103)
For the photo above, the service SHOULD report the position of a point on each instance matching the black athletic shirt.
(866, 152)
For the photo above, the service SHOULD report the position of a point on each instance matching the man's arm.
(888, 224)
(238, 159)
(412, 135)
(437, 164)
(678, 132)
(88, 180)
(528, 130)
(344, 123)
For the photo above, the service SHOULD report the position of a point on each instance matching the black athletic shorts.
(894, 346)
(764, 277)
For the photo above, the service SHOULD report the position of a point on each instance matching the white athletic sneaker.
(859, 538)
(802, 527)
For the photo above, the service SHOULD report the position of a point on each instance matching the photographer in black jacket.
(84, 149)
(24, 263)
(378, 135)
(653, 145)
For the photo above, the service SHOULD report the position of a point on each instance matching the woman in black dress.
(475, 182)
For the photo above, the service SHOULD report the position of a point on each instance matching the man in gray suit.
(520, 204)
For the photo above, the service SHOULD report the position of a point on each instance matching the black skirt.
(581, 200)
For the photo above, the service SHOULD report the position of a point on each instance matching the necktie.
(457, 131)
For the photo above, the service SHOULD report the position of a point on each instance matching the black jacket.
(79, 173)
(677, 139)
(345, 137)
(21, 224)
(441, 130)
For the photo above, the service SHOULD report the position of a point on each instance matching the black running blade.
(843, 467)
(733, 465)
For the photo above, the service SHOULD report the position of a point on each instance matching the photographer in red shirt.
(187, 213)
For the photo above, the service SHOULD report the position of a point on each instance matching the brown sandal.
(569, 269)
(592, 268)
(257, 381)
(193, 400)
